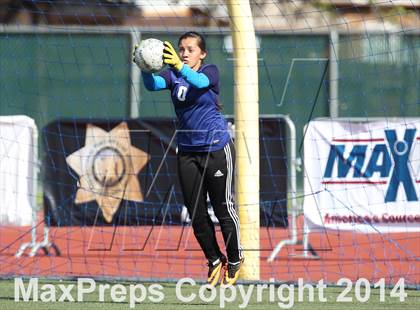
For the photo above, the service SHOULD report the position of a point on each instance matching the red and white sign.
(363, 176)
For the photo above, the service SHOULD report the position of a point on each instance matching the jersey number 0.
(182, 93)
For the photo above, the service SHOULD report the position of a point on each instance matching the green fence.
(379, 75)
(275, 57)
(47, 75)
(52, 75)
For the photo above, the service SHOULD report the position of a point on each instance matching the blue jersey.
(201, 125)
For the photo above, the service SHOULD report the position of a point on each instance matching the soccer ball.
(149, 55)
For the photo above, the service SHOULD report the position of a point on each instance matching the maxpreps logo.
(388, 164)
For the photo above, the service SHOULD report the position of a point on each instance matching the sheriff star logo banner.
(107, 166)
(110, 172)
(124, 172)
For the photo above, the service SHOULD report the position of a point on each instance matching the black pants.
(212, 173)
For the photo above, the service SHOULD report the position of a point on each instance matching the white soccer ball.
(149, 55)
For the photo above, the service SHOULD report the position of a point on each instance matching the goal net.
(92, 188)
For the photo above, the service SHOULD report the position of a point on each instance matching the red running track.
(171, 252)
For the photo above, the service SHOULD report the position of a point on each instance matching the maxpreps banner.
(124, 172)
(363, 176)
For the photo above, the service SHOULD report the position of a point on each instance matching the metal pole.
(135, 80)
(293, 189)
(334, 45)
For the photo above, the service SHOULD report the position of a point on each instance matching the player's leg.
(219, 181)
(191, 175)
(212, 233)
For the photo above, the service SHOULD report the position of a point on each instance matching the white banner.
(363, 175)
(18, 149)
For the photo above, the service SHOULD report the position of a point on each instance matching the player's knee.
(225, 220)
(198, 221)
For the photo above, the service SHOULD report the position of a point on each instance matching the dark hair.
(201, 42)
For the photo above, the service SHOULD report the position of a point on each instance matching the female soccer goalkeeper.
(205, 151)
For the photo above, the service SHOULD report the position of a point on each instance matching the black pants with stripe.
(211, 173)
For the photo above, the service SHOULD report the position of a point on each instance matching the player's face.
(190, 53)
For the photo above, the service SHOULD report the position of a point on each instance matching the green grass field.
(170, 300)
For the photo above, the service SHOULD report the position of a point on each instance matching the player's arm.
(197, 80)
(153, 82)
